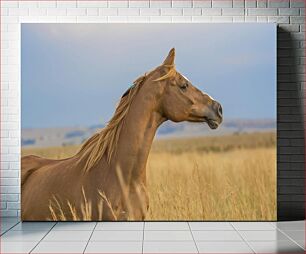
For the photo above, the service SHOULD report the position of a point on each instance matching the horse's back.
(30, 164)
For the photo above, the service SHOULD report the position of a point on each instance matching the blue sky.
(74, 74)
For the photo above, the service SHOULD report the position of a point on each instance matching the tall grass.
(212, 178)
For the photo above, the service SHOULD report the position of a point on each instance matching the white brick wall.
(290, 13)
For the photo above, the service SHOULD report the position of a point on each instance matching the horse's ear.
(170, 58)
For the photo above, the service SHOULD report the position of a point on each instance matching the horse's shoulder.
(30, 164)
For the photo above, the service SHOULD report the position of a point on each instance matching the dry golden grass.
(209, 178)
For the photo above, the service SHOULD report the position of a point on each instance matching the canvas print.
(133, 122)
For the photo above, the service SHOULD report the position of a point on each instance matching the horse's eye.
(184, 86)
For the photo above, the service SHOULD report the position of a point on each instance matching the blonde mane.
(105, 141)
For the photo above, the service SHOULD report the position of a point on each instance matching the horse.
(106, 179)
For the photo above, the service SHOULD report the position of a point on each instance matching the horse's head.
(181, 101)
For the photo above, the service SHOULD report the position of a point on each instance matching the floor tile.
(253, 226)
(167, 236)
(23, 236)
(7, 225)
(119, 226)
(274, 235)
(295, 234)
(166, 226)
(17, 247)
(60, 247)
(276, 247)
(33, 226)
(114, 247)
(223, 247)
(291, 225)
(69, 236)
(63, 226)
(216, 236)
(169, 247)
(9, 220)
(211, 226)
(101, 236)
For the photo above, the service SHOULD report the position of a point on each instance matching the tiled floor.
(152, 237)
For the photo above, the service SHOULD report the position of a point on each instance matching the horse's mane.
(105, 141)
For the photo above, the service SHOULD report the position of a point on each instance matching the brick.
(181, 3)
(290, 190)
(250, 3)
(9, 181)
(211, 12)
(291, 182)
(57, 12)
(291, 150)
(262, 12)
(222, 19)
(9, 197)
(47, 4)
(2, 205)
(290, 174)
(150, 12)
(128, 12)
(4, 11)
(160, 19)
(18, 12)
(261, 19)
(181, 19)
(4, 165)
(160, 4)
(262, 4)
(192, 11)
(13, 205)
(108, 11)
(201, 19)
(202, 3)
(238, 19)
(10, 189)
(117, 19)
(233, 12)
(171, 11)
(297, 3)
(289, 28)
(291, 198)
(289, 11)
(139, 4)
(37, 12)
(297, 20)
(9, 213)
(66, 4)
(9, 4)
(76, 12)
(8, 20)
(138, 19)
(250, 19)
(302, 11)
(238, 3)
(9, 173)
(92, 11)
(222, 3)
(291, 134)
(278, 3)
(298, 142)
(279, 20)
(91, 4)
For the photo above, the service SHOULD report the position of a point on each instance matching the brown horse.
(106, 179)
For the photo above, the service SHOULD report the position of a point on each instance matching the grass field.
(207, 178)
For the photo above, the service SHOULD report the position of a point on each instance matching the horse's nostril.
(220, 110)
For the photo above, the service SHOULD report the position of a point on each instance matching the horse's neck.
(136, 138)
